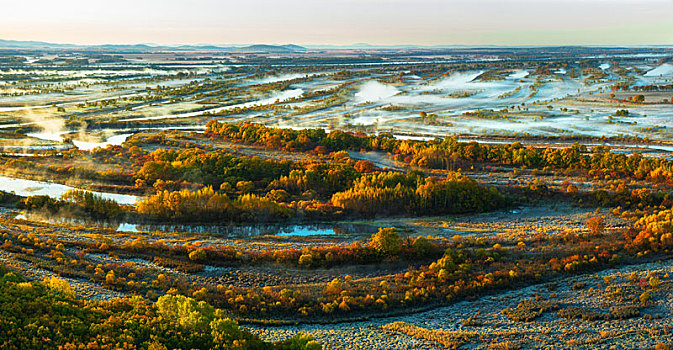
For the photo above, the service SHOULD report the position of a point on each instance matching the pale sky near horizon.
(341, 22)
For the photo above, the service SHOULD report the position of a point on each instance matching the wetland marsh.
(493, 198)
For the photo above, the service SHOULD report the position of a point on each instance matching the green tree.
(387, 241)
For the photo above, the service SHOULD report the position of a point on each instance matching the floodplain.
(495, 198)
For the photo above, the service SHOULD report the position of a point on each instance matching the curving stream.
(24, 187)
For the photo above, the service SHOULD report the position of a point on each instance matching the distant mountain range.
(14, 44)
(41, 45)
(274, 48)
(266, 48)
(288, 48)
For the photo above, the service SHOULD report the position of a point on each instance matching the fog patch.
(52, 128)
(520, 74)
(277, 78)
(665, 69)
(373, 91)
(457, 80)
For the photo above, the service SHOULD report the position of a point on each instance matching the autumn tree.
(596, 225)
(386, 241)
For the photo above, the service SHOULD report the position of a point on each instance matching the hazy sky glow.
(383, 22)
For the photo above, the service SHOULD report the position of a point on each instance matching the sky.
(341, 22)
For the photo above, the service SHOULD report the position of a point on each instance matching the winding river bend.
(24, 187)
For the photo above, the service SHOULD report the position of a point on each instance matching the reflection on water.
(254, 230)
(82, 145)
(285, 230)
(112, 140)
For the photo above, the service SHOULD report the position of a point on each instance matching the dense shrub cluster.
(75, 202)
(38, 317)
(249, 188)
(446, 153)
(394, 193)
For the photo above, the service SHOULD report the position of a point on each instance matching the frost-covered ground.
(569, 101)
(495, 330)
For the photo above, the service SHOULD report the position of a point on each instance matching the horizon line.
(327, 45)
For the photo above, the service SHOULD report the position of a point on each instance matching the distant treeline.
(445, 153)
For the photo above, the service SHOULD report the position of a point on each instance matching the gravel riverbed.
(547, 332)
